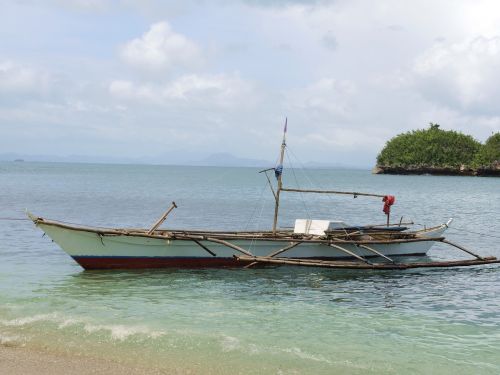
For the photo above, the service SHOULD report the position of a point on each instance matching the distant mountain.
(326, 165)
(228, 160)
(221, 159)
(171, 158)
(66, 159)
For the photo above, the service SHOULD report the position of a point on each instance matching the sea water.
(284, 320)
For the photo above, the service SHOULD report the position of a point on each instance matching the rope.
(309, 179)
(14, 218)
(297, 182)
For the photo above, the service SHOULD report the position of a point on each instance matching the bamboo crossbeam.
(350, 253)
(332, 192)
(229, 244)
(277, 252)
(376, 252)
(462, 248)
(204, 247)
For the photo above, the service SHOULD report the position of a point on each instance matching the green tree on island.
(489, 154)
(430, 148)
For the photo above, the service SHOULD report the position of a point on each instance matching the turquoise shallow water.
(277, 320)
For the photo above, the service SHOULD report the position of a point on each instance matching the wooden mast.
(279, 174)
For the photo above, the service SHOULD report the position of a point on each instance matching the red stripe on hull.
(107, 263)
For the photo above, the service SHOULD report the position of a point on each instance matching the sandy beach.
(25, 361)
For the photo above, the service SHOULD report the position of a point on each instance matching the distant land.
(228, 160)
(439, 152)
(212, 160)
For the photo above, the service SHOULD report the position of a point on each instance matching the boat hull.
(94, 250)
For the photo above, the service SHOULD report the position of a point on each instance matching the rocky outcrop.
(492, 171)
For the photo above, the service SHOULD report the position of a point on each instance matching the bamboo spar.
(332, 192)
(162, 219)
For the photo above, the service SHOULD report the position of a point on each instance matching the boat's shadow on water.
(356, 288)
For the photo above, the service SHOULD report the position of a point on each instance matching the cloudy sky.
(182, 79)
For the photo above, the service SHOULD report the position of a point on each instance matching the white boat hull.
(96, 251)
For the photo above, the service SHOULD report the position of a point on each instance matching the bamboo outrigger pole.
(279, 172)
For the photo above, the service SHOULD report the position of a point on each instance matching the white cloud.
(128, 90)
(18, 79)
(201, 90)
(326, 96)
(344, 138)
(462, 75)
(221, 87)
(86, 5)
(161, 48)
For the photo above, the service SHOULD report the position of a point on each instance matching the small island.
(439, 152)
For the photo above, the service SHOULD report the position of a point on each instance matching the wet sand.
(26, 361)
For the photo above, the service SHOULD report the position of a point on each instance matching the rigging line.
(14, 219)
(309, 178)
(298, 185)
(302, 166)
(304, 172)
(277, 159)
(259, 200)
(252, 242)
(261, 208)
(256, 206)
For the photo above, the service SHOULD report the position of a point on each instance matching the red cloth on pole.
(388, 202)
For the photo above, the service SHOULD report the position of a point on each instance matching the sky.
(169, 81)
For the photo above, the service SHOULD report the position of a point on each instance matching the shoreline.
(437, 171)
(17, 360)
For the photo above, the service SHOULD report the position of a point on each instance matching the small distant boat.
(316, 243)
(18, 160)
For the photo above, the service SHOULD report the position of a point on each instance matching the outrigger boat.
(316, 243)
